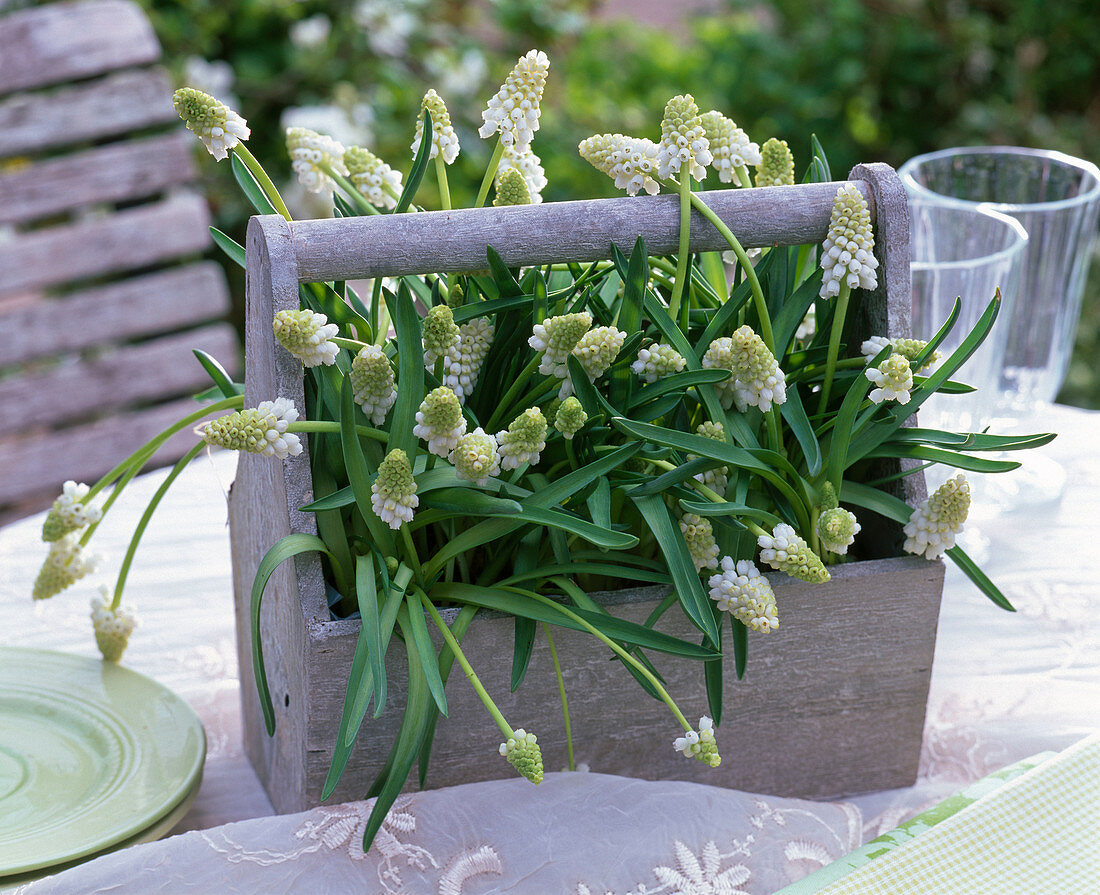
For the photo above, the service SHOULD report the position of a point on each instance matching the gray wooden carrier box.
(833, 702)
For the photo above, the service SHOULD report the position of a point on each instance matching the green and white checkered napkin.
(1038, 833)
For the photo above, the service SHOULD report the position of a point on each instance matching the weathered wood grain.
(834, 701)
(37, 463)
(67, 41)
(381, 245)
(78, 388)
(131, 239)
(115, 104)
(126, 309)
(118, 172)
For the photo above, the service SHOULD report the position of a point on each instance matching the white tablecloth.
(1004, 686)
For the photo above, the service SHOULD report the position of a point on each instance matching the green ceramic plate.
(91, 755)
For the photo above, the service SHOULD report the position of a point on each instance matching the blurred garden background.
(876, 80)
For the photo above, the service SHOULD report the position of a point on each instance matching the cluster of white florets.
(372, 383)
(307, 335)
(932, 528)
(376, 180)
(69, 512)
(657, 362)
(848, 253)
(757, 380)
(683, 140)
(893, 380)
(700, 744)
(213, 122)
(444, 138)
(393, 493)
(730, 146)
(742, 591)
(630, 161)
(514, 111)
(785, 550)
(313, 156)
(462, 364)
(258, 430)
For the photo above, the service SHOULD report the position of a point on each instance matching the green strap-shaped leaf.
(410, 371)
(416, 172)
(685, 580)
(412, 622)
(234, 251)
(250, 187)
(509, 601)
(289, 546)
(225, 384)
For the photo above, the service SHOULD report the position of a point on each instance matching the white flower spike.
(848, 253)
(259, 430)
(310, 153)
(306, 335)
(932, 528)
(514, 111)
(213, 122)
(742, 591)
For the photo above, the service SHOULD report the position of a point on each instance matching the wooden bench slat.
(116, 104)
(117, 172)
(140, 306)
(126, 240)
(34, 466)
(66, 41)
(119, 377)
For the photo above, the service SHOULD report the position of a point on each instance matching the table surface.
(1004, 686)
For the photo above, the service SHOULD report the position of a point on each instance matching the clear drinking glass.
(964, 253)
(1056, 198)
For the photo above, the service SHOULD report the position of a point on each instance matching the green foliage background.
(875, 79)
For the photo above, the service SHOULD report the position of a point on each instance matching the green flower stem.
(561, 693)
(618, 650)
(349, 189)
(471, 675)
(412, 556)
(509, 396)
(682, 253)
(490, 173)
(262, 179)
(746, 265)
(441, 176)
(124, 571)
(839, 313)
(143, 453)
(352, 345)
(333, 426)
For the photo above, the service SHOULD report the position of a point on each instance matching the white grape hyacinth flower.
(310, 154)
(514, 111)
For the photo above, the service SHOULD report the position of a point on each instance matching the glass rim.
(905, 172)
(1016, 248)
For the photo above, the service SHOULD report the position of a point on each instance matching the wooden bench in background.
(103, 287)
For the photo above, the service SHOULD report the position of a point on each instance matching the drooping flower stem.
(149, 448)
(444, 190)
(840, 311)
(682, 255)
(139, 530)
(262, 179)
(333, 426)
(746, 265)
(561, 693)
(490, 174)
(471, 675)
(618, 650)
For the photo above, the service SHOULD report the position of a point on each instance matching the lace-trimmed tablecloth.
(1004, 686)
